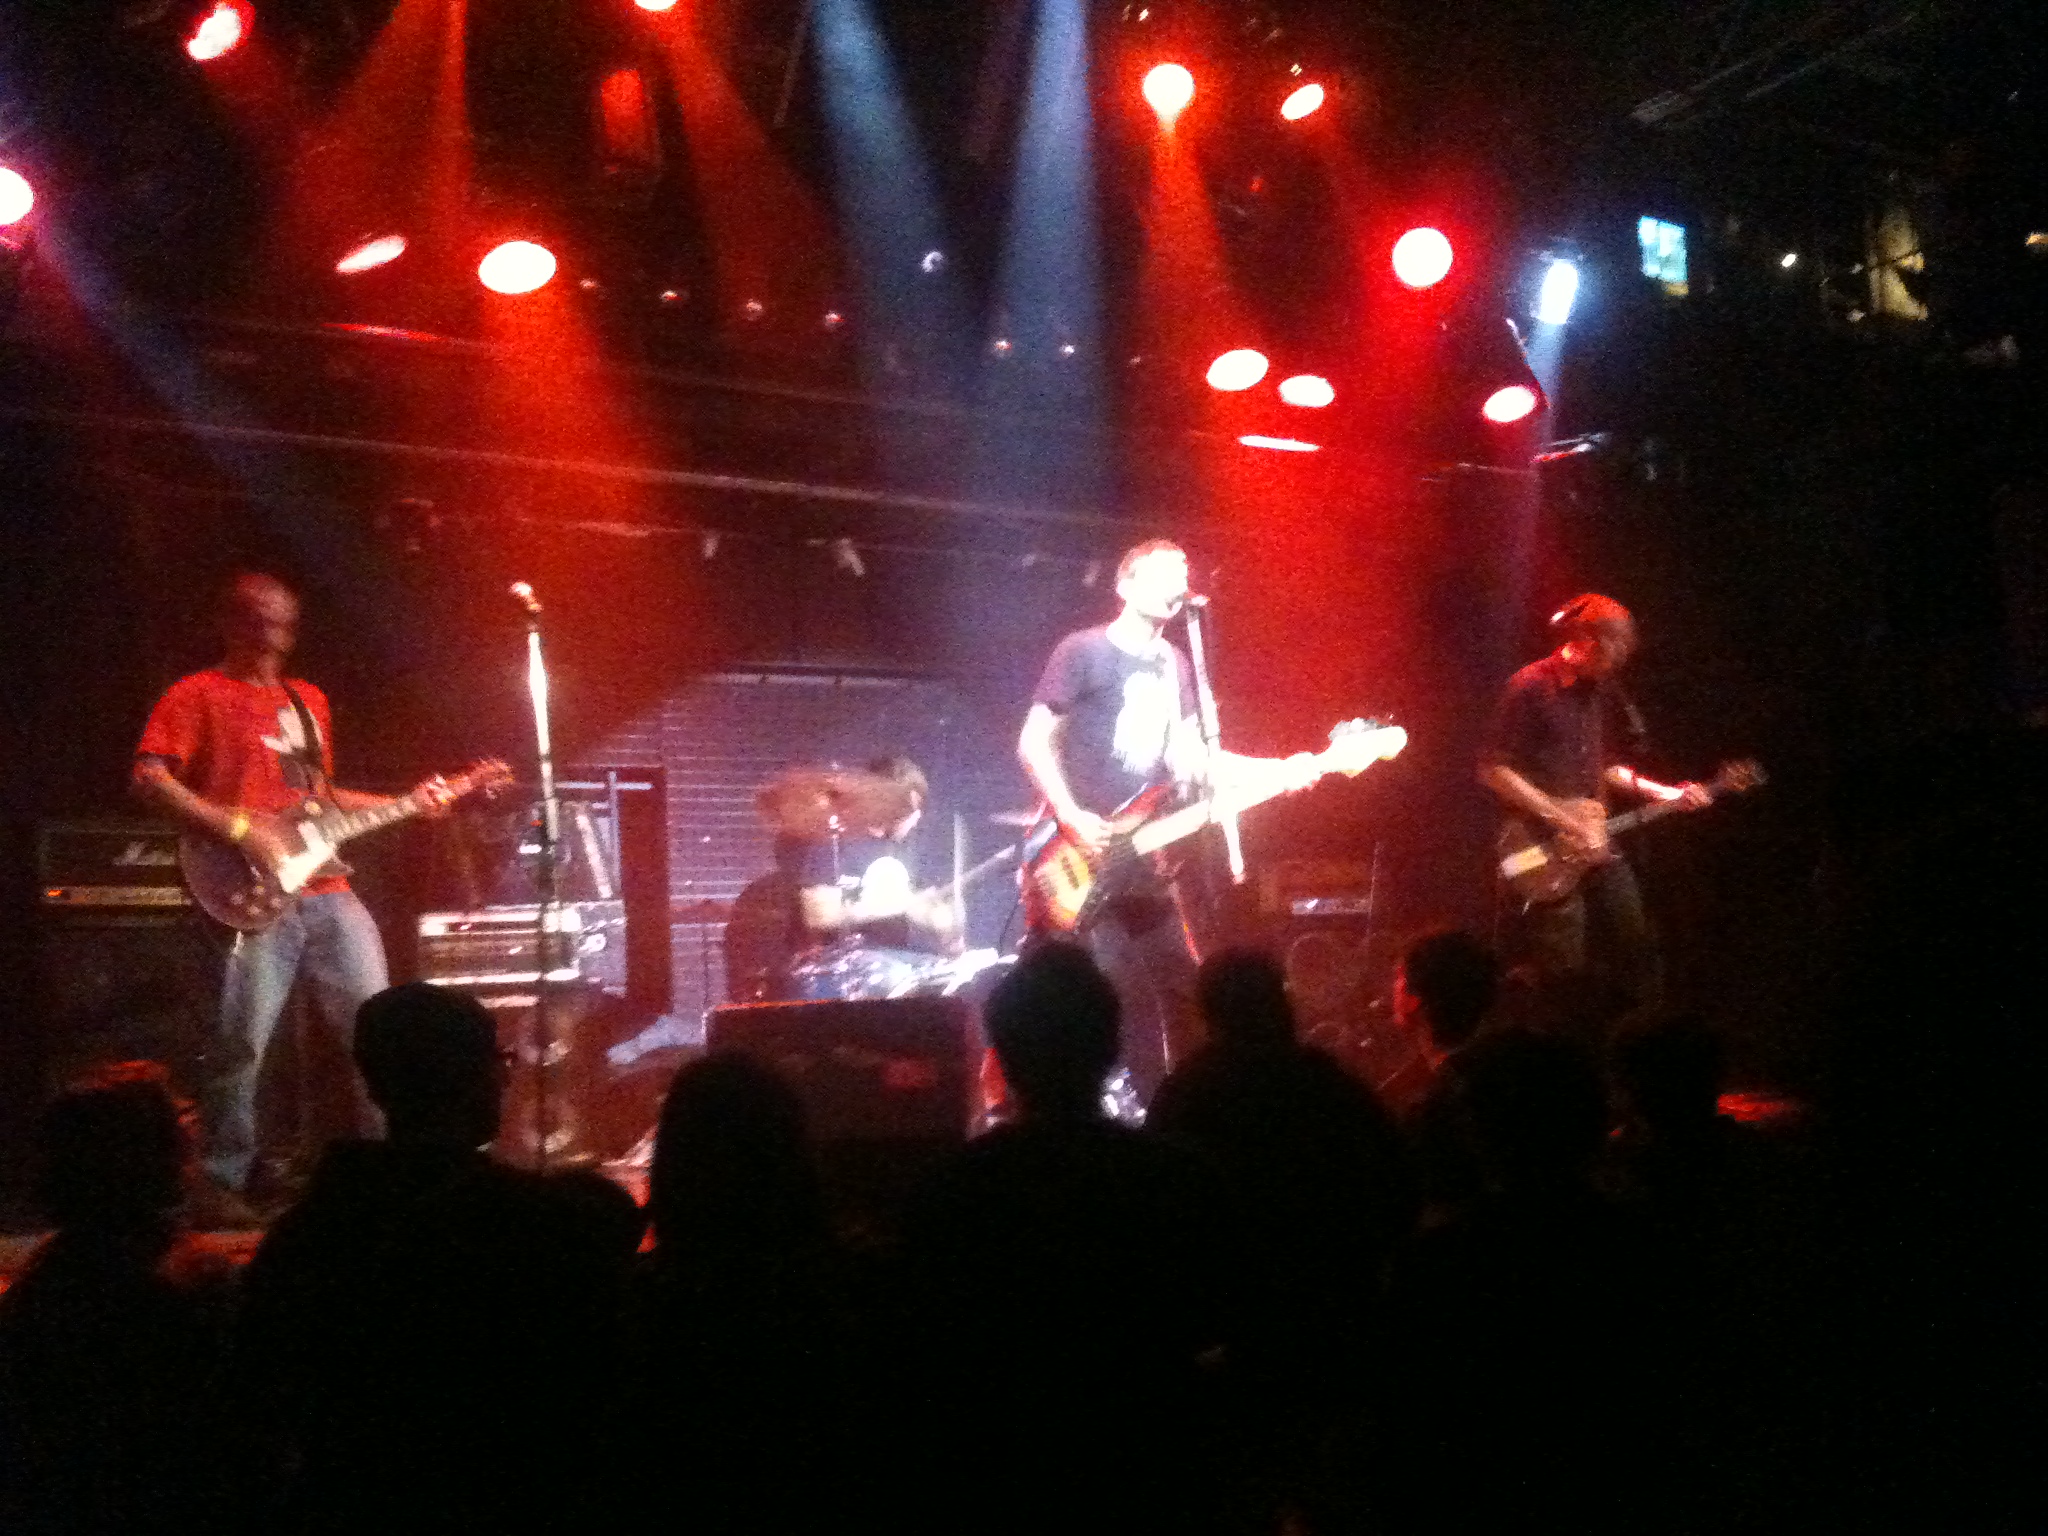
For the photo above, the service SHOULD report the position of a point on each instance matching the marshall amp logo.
(109, 865)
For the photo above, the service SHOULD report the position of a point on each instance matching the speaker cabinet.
(121, 986)
(899, 1069)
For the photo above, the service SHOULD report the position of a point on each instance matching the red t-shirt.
(242, 744)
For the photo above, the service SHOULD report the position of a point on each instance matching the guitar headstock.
(1355, 745)
(485, 776)
(1738, 777)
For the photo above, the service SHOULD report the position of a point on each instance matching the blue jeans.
(334, 940)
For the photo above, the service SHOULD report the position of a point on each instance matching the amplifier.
(500, 946)
(109, 864)
(1316, 888)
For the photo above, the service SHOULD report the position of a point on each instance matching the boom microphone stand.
(547, 937)
(1212, 735)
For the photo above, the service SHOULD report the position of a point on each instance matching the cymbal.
(816, 802)
(1029, 818)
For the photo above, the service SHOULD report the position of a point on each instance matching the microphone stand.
(547, 940)
(1212, 738)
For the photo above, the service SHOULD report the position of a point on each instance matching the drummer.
(850, 865)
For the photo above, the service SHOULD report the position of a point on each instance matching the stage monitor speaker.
(899, 1069)
(125, 986)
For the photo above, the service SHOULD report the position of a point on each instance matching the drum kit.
(812, 803)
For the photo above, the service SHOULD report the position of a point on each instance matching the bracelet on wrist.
(238, 826)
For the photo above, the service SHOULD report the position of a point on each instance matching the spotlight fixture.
(1308, 390)
(1279, 444)
(371, 254)
(1509, 403)
(1789, 260)
(1422, 257)
(1301, 102)
(17, 197)
(656, 6)
(1560, 289)
(516, 266)
(1239, 368)
(1168, 89)
(221, 30)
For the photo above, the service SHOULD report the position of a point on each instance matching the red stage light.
(656, 5)
(1308, 390)
(372, 253)
(1509, 403)
(1238, 369)
(517, 266)
(1422, 257)
(1169, 88)
(1282, 444)
(221, 30)
(17, 197)
(1302, 102)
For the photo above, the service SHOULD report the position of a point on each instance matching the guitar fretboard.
(340, 826)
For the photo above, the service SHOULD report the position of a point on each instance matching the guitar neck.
(1642, 815)
(339, 826)
(1190, 819)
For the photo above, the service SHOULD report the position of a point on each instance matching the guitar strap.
(309, 756)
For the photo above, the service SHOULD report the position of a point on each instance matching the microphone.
(521, 592)
(1191, 600)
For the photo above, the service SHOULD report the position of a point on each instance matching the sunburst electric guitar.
(1538, 868)
(1065, 885)
(234, 888)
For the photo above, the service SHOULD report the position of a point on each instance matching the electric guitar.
(233, 888)
(1065, 885)
(1538, 867)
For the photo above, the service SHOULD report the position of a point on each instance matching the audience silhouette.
(742, 1338)
(429, 1338)
(1073, 1290)
(111, 1345)
(1277, 1307)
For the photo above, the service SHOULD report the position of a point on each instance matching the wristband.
(238, 826)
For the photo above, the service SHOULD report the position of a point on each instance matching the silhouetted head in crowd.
(732, 1162)
(1054, 1024)
(1446, 983)
(429, 1057)
(114, 1149)
(1537, 1112)
(1670, 1073)
(1243, 997)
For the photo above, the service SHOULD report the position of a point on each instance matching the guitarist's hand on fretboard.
(437, 794)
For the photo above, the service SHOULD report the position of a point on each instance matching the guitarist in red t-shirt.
(223, 747)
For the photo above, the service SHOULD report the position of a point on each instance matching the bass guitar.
(1538, 867)
(234, 888)
(1065, 884)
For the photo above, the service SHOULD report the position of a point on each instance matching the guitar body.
(1537, 868)
(233, 889)
(1064, 884)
